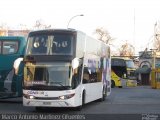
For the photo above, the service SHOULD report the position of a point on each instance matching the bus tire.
(112, 84)
(79, 108)
(104, 94)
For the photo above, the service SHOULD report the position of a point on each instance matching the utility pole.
(134, 29)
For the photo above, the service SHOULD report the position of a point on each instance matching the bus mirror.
(75, 63)
(89, 71)
(16, 64)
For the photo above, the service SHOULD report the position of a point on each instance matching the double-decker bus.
(122, 68)
(11, 48)
(65, 68)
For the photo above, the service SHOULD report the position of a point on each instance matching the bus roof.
(59, 31)
(11, 37)
(124, 58)
(55, 30)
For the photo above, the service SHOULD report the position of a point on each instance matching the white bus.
(65, 68)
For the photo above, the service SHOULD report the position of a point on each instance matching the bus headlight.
(28, 96)
(63, 97)
(31, 97)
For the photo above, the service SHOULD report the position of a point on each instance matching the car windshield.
(56, 44)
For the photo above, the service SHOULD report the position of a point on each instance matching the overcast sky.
(131, 20)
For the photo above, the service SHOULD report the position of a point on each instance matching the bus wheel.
(104, 94)
(79, 108)
(112, 84)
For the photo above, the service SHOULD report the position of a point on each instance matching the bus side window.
(76, 79)
(85, 76)
(93, 77)
(99, 75)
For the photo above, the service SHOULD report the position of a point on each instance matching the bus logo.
(45, 94)
(35, 92)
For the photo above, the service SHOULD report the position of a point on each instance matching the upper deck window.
(9, 47)
(118, 62)
(56, 44)
(130, 64)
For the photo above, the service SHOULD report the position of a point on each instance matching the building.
(14, 32)
(3, 33)
(18, 33)
(147, 60)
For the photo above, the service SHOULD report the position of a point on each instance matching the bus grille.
(47, 98)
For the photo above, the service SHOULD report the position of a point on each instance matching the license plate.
(46, 103)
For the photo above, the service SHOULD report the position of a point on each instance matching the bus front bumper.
(48, 103)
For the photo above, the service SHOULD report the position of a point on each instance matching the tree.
(103, 35)
(127, 49)
(3, 29)
(41, 25)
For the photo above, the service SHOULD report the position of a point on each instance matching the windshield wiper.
(59, 83)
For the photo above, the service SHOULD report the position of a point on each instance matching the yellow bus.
(122, 69)
(116, 80)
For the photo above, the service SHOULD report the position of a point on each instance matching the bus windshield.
(52, 44)
(130, 64)
(50, 76)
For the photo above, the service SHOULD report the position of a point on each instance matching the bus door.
(9, 51)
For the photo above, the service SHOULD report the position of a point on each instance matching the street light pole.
(73, 18)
